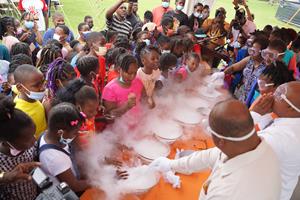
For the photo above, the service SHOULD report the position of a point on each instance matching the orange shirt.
(158, 13)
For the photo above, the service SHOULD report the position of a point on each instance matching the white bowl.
(140, 179)
(149, 149)
(168, 132)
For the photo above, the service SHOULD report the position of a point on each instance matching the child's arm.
(70, 179)
(113, 109)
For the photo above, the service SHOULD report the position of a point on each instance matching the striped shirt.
(123, 27)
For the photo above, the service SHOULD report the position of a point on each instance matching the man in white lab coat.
(244, 166)
(284, 132)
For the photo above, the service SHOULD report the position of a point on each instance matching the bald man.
(243, 165)
(283, 134)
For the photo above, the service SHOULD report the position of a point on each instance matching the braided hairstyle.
(5, 23)
(12, 120)
(142, 49)
(61, 70)
(48, 55)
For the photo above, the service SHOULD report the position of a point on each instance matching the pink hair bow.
(74, 123)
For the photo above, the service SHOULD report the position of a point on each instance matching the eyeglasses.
(266, 54)
(280, 94)
(263, 85)
(253, 51)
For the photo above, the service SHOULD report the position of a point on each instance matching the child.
(60, 72)
(192, 63)
(85, 99)
(149, 73)
(113, 63)
(123, 95)
(271, 77)
(164, 44)
(48, 54)
(83, 30)
(16, 146)
(61, 34)
(167, 64)
(30, 83)
(54, 146)
(88, 67)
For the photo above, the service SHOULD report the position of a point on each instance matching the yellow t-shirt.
(37, 113)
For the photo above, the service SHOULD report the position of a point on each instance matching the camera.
(49, 191)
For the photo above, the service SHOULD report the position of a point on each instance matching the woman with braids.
(16, 146)
(59, 73)
(48, 54)
(8, 32)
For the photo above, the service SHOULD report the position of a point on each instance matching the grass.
(75, 10)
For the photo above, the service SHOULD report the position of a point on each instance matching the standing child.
(54, 146)
(149, 72)
(113, 64)
(123, 95)
(167, 64)
(30, 83)
(191, 64)
(16, 146)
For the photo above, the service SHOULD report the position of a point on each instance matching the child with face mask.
(54, 146)
(16, 146)
(30, 83)
(30, 33)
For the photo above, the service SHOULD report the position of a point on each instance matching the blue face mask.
(29, 24)
(179, 7)
(147, 41)
(35, 95)
(165, 4)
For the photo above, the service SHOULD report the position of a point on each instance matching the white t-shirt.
(36, 7)
(55, 162)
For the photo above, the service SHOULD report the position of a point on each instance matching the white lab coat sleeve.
(262, 121)
(197, 161)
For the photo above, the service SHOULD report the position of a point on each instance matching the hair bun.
(7, 107)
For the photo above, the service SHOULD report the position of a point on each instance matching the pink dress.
(113, 92)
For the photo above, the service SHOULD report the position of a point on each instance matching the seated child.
(30, 83)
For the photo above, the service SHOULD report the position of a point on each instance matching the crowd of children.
(58, 91)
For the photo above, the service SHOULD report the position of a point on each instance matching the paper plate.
(140, 179)
(196, 102)
(150, 149)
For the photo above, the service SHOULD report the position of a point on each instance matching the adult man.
(39, 9)
(116, 19)
(159, 11)
(241, 25)
(132, 14)
(216, 28)
(283, 134)
(243, 165)
(58, 19)
(89, 21)
(178, 14)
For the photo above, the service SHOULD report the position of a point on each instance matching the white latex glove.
(173, 179)
(217, 76)
(178, 152)
(161, 164)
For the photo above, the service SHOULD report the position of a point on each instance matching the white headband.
(235, 139)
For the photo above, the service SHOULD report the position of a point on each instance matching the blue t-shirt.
(49, 36)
